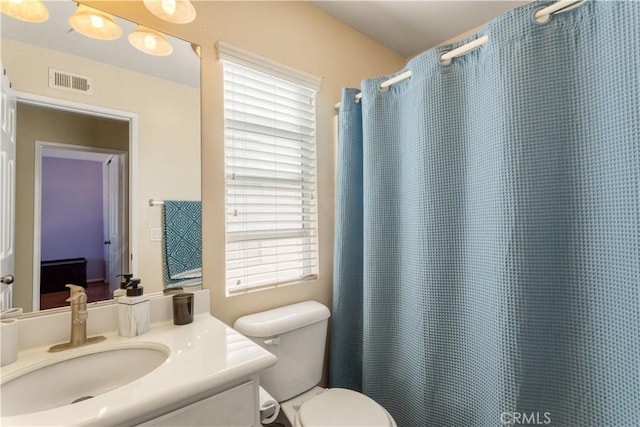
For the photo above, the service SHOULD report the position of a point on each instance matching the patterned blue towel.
(182, 242)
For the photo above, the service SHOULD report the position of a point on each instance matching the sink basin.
(65, 381)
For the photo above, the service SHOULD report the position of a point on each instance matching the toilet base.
(280, 421)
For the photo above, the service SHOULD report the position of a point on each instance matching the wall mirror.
(105, 134)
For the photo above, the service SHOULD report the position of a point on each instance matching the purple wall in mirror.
(72, 213)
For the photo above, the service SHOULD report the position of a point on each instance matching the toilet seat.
(341, 407)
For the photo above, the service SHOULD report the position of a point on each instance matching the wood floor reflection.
(96, 291)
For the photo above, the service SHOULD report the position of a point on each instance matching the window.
(270, 166)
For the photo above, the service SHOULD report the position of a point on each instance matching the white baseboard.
(101, 279)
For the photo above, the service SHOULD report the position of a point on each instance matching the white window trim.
(248, 59)
(267, 66)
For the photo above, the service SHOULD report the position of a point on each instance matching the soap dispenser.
(133, 311)
(124, 282)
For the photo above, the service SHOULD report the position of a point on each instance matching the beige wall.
(168, 151)
(38, 124)
(300, 36)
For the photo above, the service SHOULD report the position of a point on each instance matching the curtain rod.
(384, 85)
(541, 16)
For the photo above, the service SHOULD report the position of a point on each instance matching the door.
(114, 235)
(7, 193)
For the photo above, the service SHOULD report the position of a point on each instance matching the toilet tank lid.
(280, 320)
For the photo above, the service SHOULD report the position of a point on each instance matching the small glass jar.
(182, 308)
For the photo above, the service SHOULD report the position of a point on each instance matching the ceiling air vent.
(70, 81)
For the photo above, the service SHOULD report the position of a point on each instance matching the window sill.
(310, 280)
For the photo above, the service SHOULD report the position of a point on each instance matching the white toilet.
(296, 334)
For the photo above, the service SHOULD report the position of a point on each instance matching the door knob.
(8, 279)
(107, 242)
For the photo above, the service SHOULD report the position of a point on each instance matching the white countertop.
(204, 355)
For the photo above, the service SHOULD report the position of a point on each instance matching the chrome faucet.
(79, 314)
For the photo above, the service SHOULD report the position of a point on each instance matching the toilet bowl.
(296, 335)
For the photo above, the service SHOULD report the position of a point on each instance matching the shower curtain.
(487, 260)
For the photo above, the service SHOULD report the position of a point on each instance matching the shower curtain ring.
(542, 15)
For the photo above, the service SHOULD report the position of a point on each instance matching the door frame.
(107, 200)
(101, 112)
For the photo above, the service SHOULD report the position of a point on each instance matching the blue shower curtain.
(487, 261)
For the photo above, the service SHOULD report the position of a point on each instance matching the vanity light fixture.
(26, 10)
(95, 23)
(150, 41)
(175, 11)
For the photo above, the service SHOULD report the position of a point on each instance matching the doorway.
(82, 220)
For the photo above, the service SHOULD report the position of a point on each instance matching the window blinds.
(270, 160)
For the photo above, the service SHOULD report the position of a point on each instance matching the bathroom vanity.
(206, 374)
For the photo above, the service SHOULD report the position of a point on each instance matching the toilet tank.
(296, 335)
